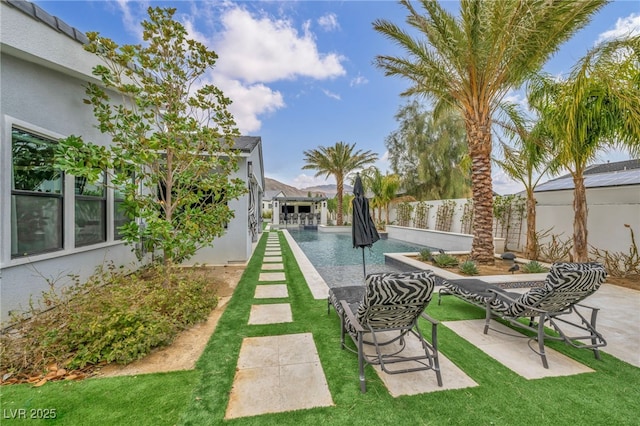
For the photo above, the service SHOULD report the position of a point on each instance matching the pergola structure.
(299, 211)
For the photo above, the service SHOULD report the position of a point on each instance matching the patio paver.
(267, 259)
(272, 276)
(418, 382)
(270, 314)
(272, 266)
(271, 291)
(511, 349)
(277, 374)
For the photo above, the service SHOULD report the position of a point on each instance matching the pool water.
(339, 263)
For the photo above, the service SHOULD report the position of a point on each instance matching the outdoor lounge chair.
(565, 286)
(387, 312)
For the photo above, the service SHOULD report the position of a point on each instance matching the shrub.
(113, 317)
(533, 267)
(469, 267)
(445, 260)
(425, 255)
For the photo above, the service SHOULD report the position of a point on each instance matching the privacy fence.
(456, 216)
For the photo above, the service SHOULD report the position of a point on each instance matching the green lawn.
(610, 395)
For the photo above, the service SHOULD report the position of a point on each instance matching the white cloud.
(264, 49)
(253, 50)
(358, 81)
(329, 22)
(331, 94)
(133, 12)
(249, 102)
(627, 26)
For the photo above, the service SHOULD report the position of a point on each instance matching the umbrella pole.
(364, 268)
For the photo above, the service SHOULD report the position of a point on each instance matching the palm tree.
(469, 63)
(338, 160)
(597, 106)
(527, 163)
(390, 185)
(372, 180)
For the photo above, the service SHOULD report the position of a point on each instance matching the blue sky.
(301, 73)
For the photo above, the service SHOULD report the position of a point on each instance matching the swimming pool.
(339, 264)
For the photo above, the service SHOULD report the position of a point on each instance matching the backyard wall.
(609, 209)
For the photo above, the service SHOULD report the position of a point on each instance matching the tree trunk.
(479, 139)
(580, 253)
(531, 250)
(340, 189)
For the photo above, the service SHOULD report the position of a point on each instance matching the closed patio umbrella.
(363, 230)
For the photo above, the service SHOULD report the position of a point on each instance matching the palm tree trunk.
(580, 253)
(531, 250)
(340, 189)
(479, 138)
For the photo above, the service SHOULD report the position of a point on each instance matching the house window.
(36, 196)
(91, 211)
(120, 216)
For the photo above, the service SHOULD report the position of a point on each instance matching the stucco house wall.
(44, 70)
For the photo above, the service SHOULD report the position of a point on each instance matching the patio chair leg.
(594, 339)
(363, 384)
(487, 319)
(436, 361)
(542, 353)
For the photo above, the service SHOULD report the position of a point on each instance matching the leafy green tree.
(337, 161)
(170, 131)
(470, 62)
(526, 162)
(430, 154)
(372, 180)
(384, 188)
(597, 106)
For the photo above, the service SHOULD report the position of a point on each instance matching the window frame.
(58, 197)
(101, 200)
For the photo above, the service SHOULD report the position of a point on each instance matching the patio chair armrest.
(430, 319)
(593, 308)
(352, 318)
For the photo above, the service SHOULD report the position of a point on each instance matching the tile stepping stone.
(270, 314)
(271, 259)
(271, 291)
(276, 374)
(272, 276)
(272, 266)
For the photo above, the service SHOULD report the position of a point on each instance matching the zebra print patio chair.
(555, 304)
(386, 315)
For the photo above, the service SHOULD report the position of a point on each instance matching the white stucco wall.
(609, 209)
(236, 245)
(41, 85)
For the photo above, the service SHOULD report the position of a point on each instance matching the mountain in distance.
(328, 190)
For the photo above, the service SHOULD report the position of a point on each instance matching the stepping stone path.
(276, 373)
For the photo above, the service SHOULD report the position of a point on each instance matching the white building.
(42, 238)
